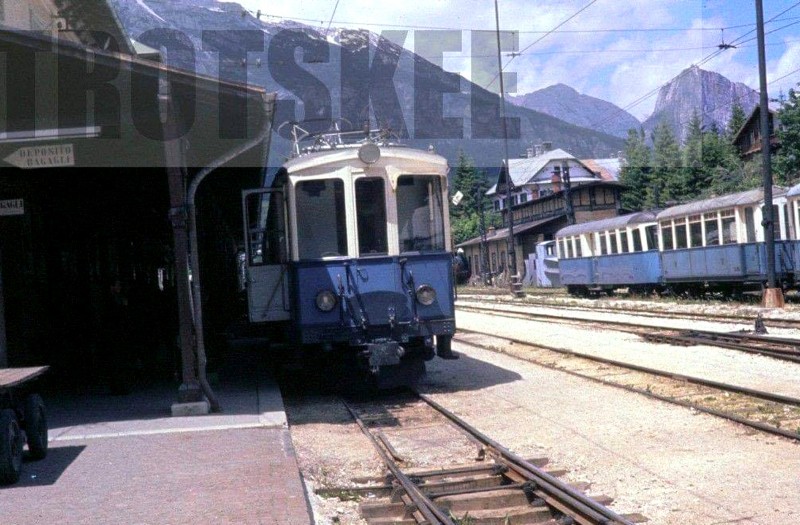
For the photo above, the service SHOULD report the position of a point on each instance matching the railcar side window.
(603, 244)
(651, 235)
(776, 218)
(578, 249)
(419, 213)
(371, 217)
(613, 237)
(637, 240)
(695, 231)
(623, 239)
(728, 227)
(712, 229)
(266, 228)
(680, 236)
(750, 225)
(321, 219)
(666, 233)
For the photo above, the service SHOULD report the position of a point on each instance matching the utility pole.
(773, 296)
(484, 261)
(516, 285)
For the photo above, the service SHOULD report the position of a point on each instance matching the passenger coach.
(610, 253)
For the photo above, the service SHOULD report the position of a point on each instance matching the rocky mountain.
(323, 75)
(710, 94)
(563, 102)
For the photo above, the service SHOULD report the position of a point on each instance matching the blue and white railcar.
(610, 253)
(719, 242)
(349, 250)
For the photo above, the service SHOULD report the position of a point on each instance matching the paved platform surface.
(124, 459)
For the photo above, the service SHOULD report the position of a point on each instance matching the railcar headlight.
(326, 300)
(426, 295)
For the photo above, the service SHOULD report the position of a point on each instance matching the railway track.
(772, 322)
(775, 347)
(493, 487)
(765, 411)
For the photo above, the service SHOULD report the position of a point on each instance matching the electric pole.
(773, 296)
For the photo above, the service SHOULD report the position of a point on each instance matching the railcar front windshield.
(371, 217)
(420, 216)
(321, 219)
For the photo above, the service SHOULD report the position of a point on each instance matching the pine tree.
(465, 217)
(669, 180)
(736, 121)
(787, 158)
(635, 173)
(692, 154)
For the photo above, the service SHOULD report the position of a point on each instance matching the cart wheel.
(10, 448)
(35, 425)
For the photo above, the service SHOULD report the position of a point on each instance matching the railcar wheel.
(35, 424)
(10, 448)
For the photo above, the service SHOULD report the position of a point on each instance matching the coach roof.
(607, 224)
(733, 200)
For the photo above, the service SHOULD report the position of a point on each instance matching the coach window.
(750, 224)
(604, 243)
(712, 229)
(680, 235)
(666, 235)
(651, 237)
(728, 226)
(695, 231)
(623, 239)
(637, 240)
(578, 248)
(612, 236)
(371, 216)
(321, 219)
(419, 213)
(776, 217)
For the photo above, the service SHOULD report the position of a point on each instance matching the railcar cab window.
(371, 216)
(420, 213)
(266, 228)
(321, 219)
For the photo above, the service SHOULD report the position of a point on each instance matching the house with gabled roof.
(551, 188)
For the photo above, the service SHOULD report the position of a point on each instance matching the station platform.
(125, 459)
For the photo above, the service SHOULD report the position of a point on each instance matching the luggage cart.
(22, 419)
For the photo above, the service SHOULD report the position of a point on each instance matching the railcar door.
(266, 255)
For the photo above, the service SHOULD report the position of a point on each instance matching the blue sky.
(617, 51)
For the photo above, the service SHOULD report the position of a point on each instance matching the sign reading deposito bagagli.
(45, 156)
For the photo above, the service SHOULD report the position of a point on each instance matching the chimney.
(491, 231)
(546, 146)
(537, 150)
(555, 179)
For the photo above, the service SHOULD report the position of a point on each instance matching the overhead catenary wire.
(738, 40)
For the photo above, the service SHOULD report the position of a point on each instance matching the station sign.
(12, 207)
(45, 156)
